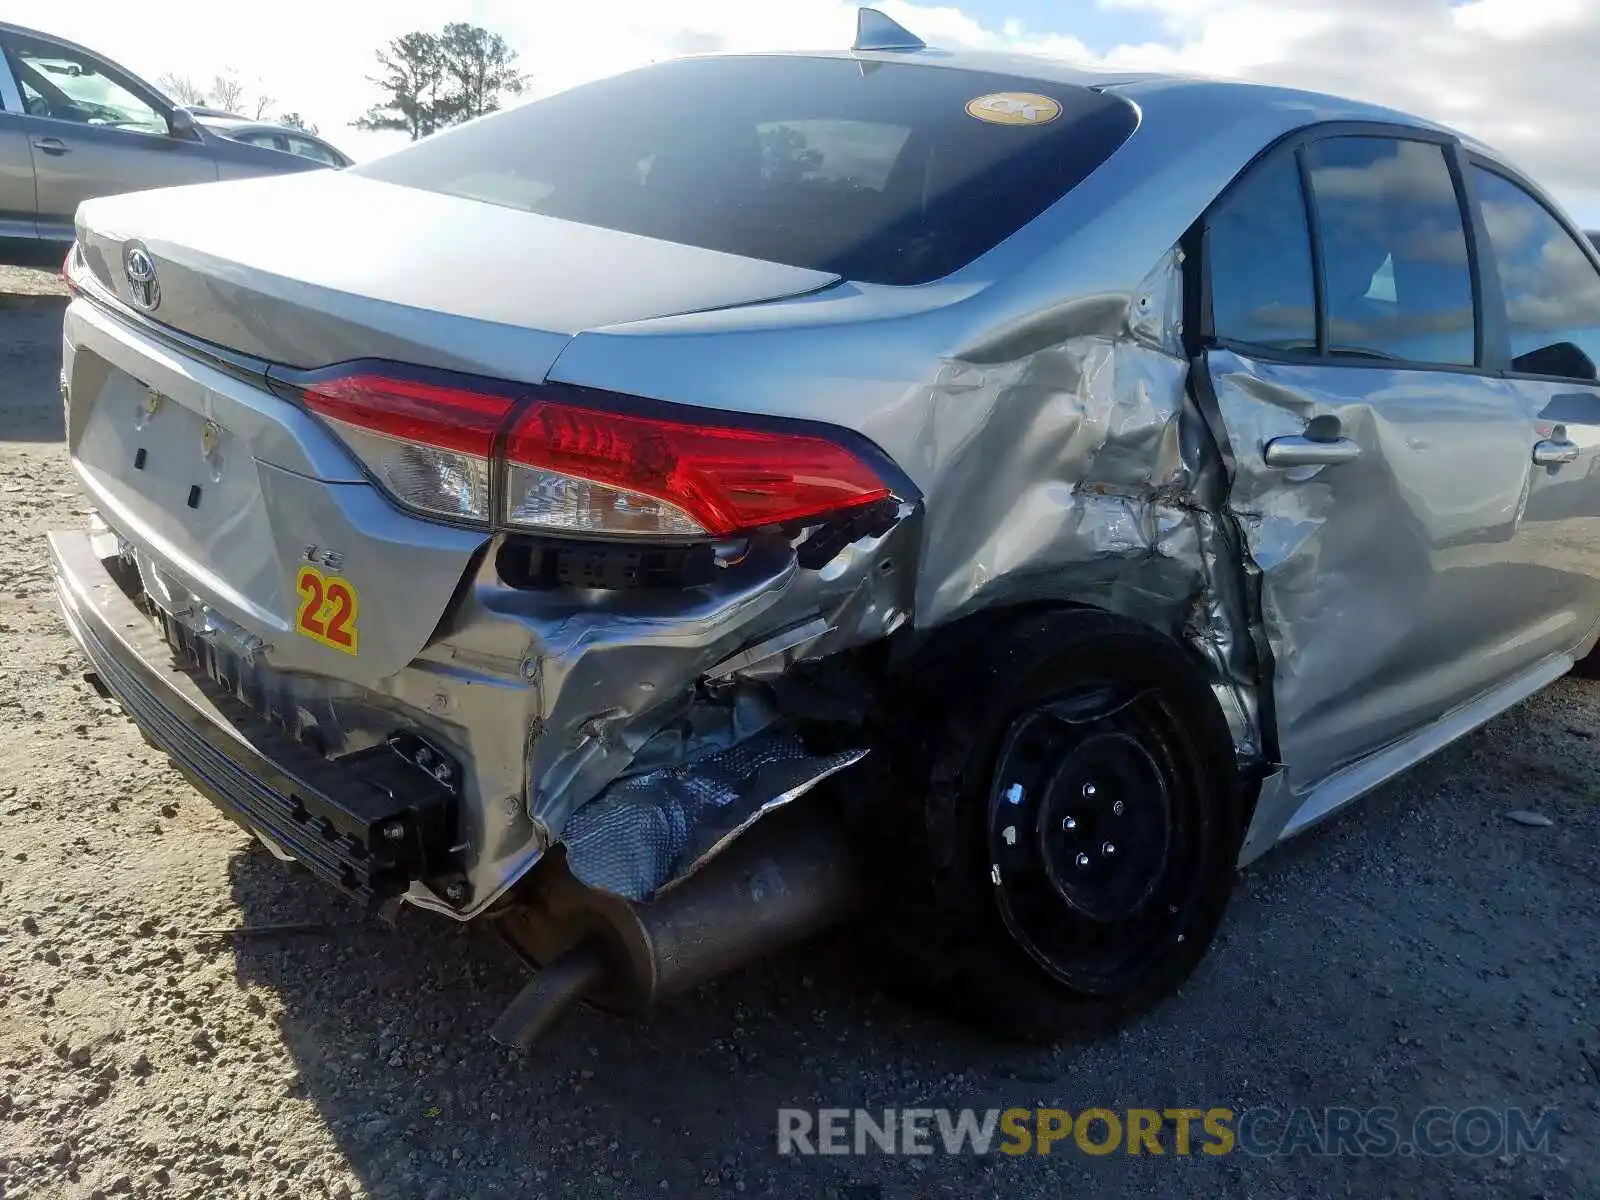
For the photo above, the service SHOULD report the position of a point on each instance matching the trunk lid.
(325, 267)
(249, 519)
(243, 511)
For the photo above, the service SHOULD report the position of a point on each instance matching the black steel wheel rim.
(1095, 835)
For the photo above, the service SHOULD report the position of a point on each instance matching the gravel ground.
(1420, 950)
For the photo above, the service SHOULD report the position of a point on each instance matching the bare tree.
(227, 92)
(182, 89)
(295, 121)
(264, 104)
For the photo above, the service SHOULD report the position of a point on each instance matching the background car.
(269, 136)
(74, 125)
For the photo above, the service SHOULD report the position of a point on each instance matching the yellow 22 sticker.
(327, 609)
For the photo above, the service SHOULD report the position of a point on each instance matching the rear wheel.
(1066, 822)
(1588, 667)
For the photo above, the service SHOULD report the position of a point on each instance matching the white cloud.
(1519, 74)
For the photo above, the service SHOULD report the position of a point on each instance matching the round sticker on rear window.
(1014, 108)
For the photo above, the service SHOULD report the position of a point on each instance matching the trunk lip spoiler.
(241, 366)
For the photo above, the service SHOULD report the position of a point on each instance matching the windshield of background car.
(880, 172)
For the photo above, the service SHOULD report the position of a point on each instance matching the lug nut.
(424, 757)
(1082, 860)
(1068, 824)
(1090, 791)
(442, 772)
(456, 892)
(394, 832)
(1116, 809)
(1014, 793)
(1108, 851)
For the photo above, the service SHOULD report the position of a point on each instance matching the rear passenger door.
(1544, 289)
(1380, 465)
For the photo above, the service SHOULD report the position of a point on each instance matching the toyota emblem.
(140, 269)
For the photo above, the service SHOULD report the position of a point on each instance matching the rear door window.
(882, 172)
(306, 148)
(267, 141)
(1263, 292)
(1396, 279)
(1551, 288)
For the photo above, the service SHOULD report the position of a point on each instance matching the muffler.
(787, 878)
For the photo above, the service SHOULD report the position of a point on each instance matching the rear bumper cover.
(325, 815)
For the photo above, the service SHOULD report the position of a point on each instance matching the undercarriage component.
(550, 995)
(649, 830)
(790, 877)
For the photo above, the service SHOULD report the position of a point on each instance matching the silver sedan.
(672, 516)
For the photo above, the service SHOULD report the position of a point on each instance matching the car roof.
(24, 31)
(245, 125)
(236, 124)
(1298, 106)
(1141, 83)
(1169, 92)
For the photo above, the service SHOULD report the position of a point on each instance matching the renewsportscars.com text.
(1262, 1131)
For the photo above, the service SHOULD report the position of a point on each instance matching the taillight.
(569, 469)
(581, 470)
(432, 447)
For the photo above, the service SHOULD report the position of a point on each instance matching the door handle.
(1553, 453)
(50, 145)
(1297, 451)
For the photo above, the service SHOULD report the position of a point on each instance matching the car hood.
(324, 267)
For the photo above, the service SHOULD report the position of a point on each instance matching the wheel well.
(944, 649)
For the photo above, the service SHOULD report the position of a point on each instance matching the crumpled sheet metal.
(1060, 459)
(1070, 466)
(1063, 473)
(1076, 468)
(648, 831)
(1375, 575)
(612, 682)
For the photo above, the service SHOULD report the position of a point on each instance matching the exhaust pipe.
(789, 877)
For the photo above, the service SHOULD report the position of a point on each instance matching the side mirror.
(181, 124)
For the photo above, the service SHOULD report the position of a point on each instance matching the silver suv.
(74, 125)
(1095, 479)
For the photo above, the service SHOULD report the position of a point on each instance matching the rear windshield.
(880, 172)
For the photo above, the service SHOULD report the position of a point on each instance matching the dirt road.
(1422, 950)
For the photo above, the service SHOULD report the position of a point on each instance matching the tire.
(989, 912)
(1588, 667)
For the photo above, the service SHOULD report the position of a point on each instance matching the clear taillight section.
(432, 447)
(568, 469)
(584, 470)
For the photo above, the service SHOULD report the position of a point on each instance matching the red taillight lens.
(430, 445)
(574, 470)
(581, 470)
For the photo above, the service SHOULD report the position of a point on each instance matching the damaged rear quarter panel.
(1038, 401)
(1061, 460)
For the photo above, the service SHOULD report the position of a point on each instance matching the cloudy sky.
(1523, 75)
